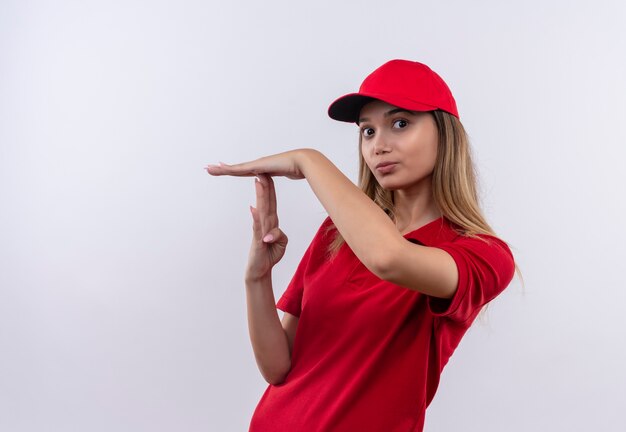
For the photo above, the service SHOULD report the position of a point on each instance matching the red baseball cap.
(406, 84)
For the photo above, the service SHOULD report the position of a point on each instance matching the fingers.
(266, 203)
(240, 169)
(262, 206)
(244, 169)
(272, 198)
(267, 164)
(256, 224)
(275, 235)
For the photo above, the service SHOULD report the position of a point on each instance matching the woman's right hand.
(264, 254)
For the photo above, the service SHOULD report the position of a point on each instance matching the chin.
(389, 185)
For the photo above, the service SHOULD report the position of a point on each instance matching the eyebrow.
(388, 113)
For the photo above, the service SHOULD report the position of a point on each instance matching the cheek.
(424, 160)
(367, 162)
(429, 153)
(432, 155)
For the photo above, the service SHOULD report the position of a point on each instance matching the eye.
(403, 122)
(365, 131)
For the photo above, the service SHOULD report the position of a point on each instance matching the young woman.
(394, 276)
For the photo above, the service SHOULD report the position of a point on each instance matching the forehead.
(376, 107)
(379, 109)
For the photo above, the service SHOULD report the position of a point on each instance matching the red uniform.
(367, 353)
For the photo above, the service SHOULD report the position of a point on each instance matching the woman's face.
(408, 139)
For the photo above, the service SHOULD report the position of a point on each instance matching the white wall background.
(122, 304)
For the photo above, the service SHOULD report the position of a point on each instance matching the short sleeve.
(485, 270)
(291, 300)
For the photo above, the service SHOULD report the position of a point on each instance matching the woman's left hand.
(287, 164)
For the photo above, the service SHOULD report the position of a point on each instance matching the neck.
(414, 209)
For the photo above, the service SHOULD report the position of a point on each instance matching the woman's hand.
(265, 252)
(268, 241)
(287, 164)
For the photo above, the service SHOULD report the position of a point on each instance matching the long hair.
(454, 184)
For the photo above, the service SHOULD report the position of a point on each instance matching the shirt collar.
(433, 233)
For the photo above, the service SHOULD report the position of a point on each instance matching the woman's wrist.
(304, 158)
(251, 279)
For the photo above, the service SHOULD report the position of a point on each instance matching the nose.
(380, 144)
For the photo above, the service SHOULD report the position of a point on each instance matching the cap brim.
(347, 108)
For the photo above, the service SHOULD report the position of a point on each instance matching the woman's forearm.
(268, 338)
(364, 226)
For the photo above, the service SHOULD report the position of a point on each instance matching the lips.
(386, 168)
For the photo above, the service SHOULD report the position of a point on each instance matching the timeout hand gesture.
(268, 241)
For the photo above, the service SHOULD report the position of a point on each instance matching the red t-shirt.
(367, 353)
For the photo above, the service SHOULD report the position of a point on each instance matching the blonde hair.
(454, 184)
